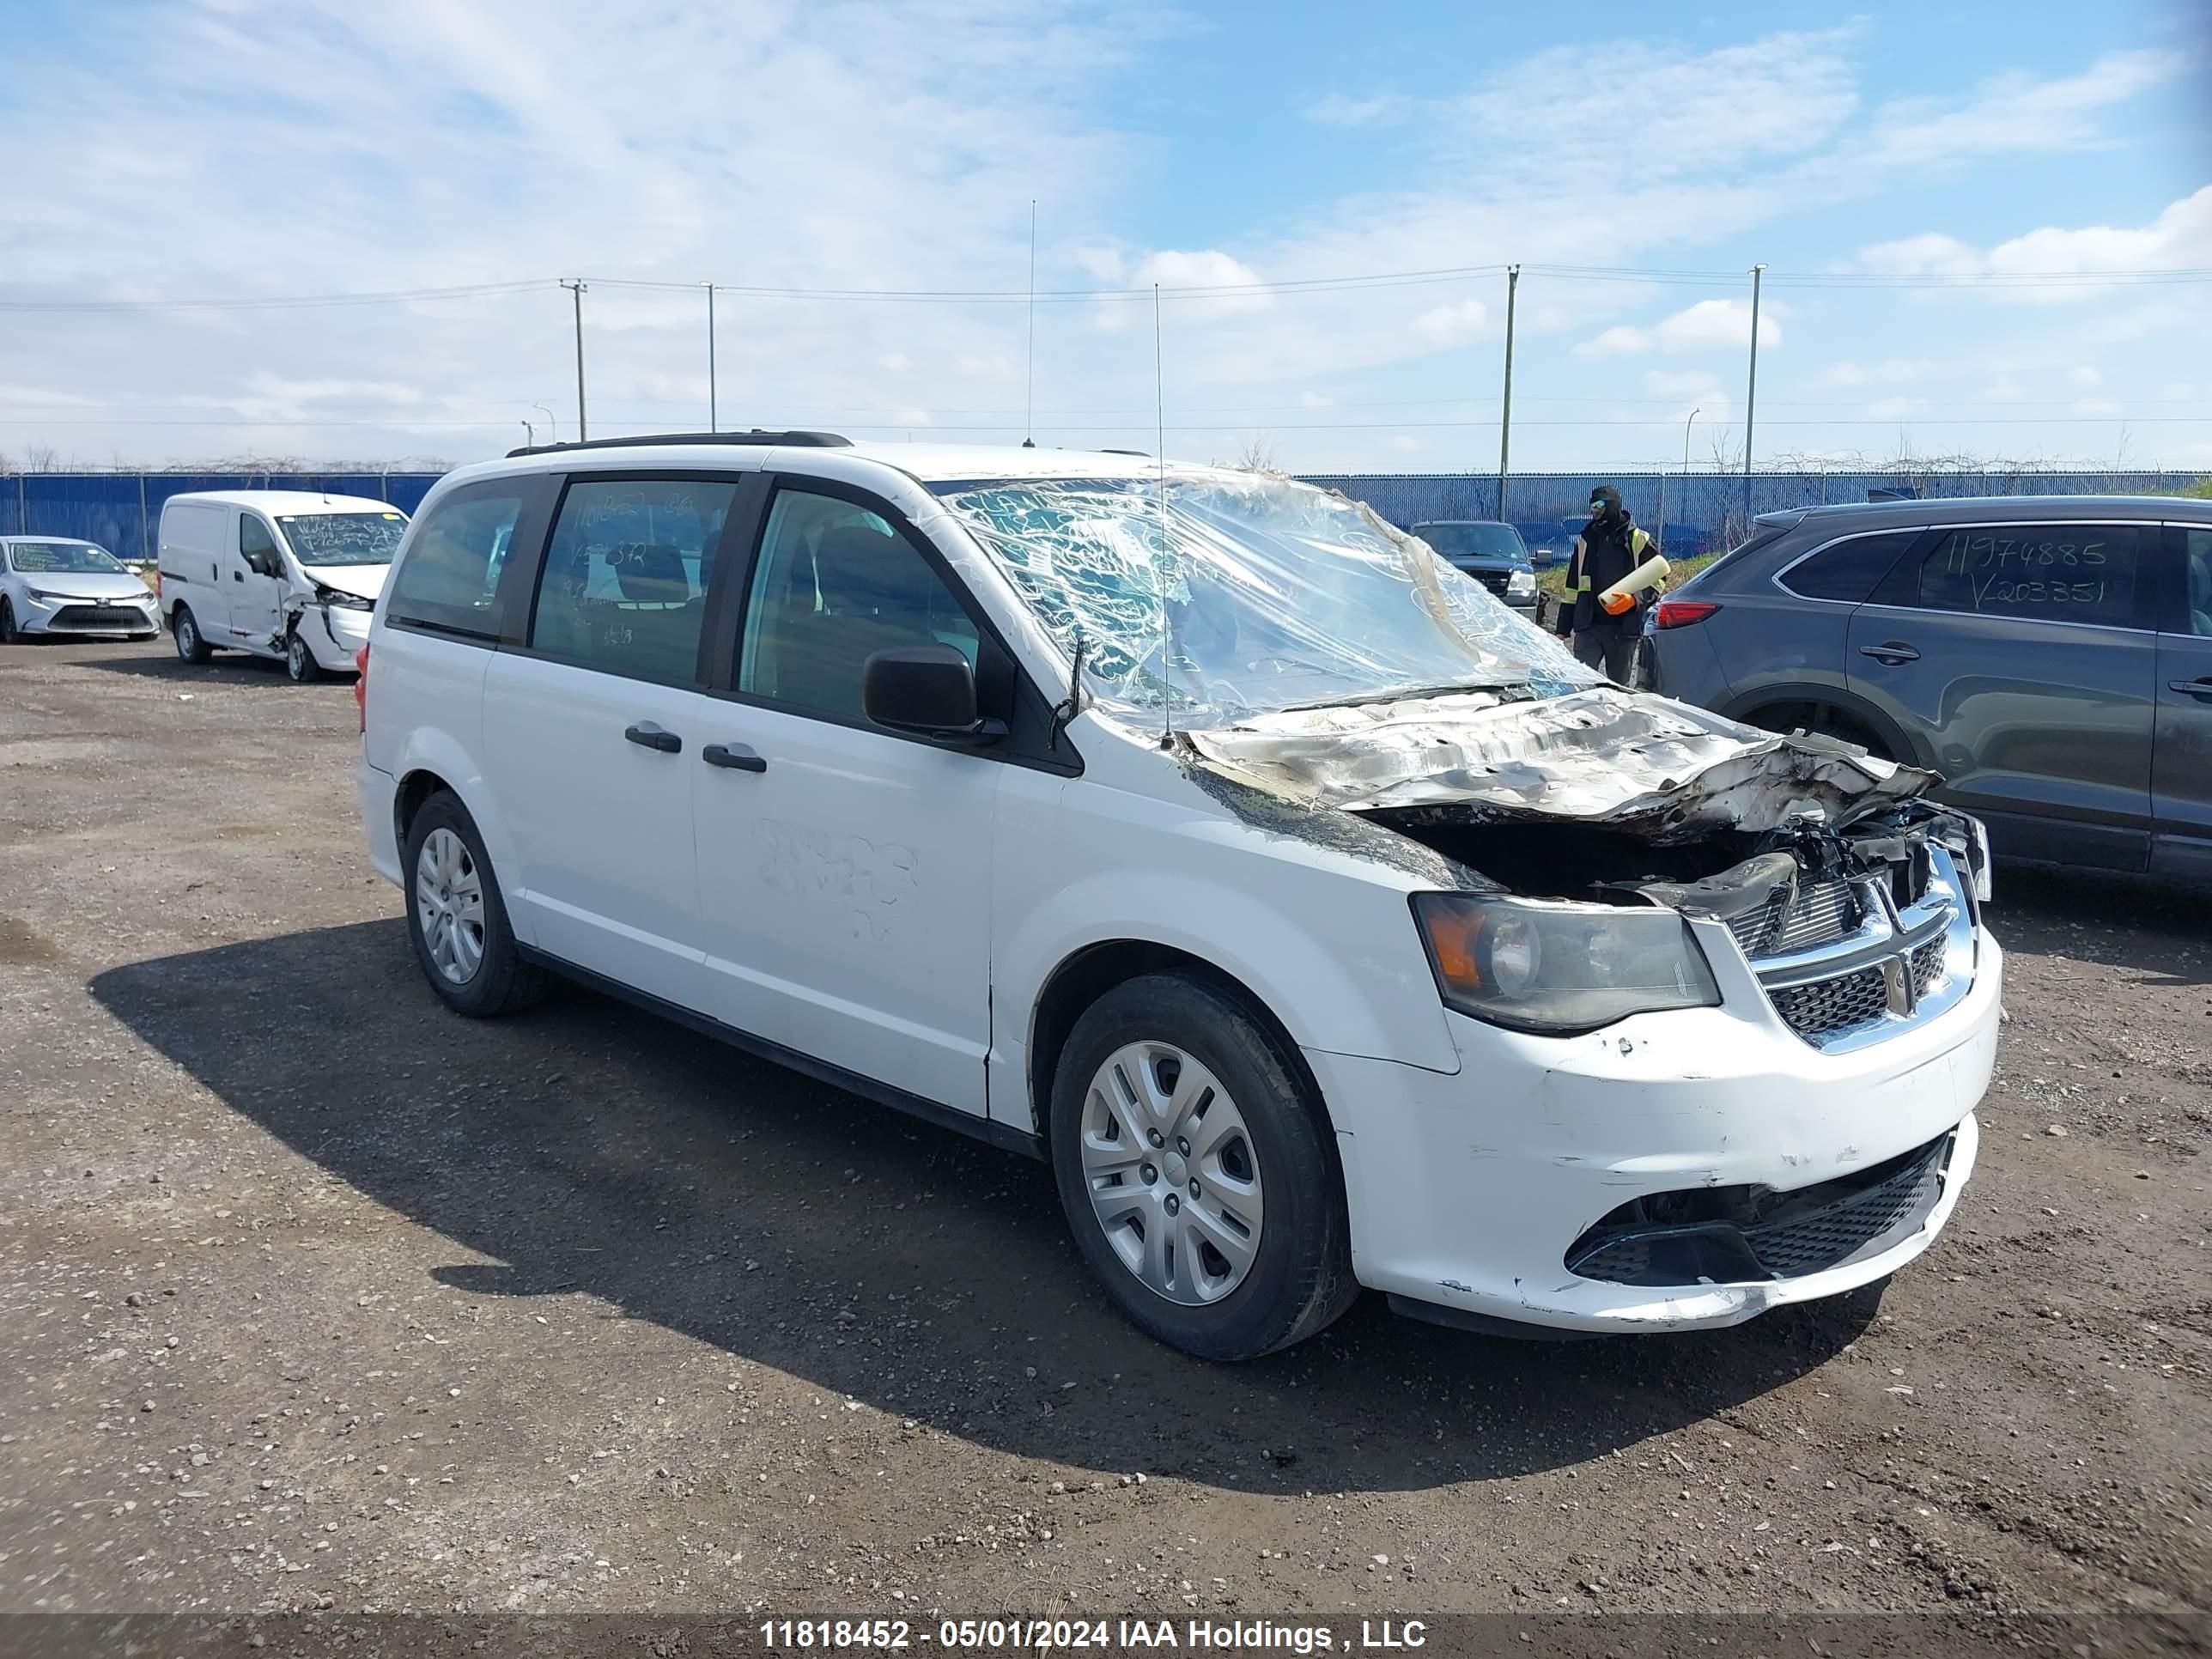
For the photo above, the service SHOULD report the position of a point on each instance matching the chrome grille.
(1927, 968)
(1848, 967)
(1834, 1004)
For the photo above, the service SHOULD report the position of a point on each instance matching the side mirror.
(263, 562)
(926, 688)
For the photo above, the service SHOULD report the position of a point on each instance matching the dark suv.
(2051, 656)
(1488, 549)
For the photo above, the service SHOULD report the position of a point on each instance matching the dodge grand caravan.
(1321, 922)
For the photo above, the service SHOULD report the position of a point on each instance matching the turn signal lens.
(360, 686)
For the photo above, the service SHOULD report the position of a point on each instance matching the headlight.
(344, 601)
(1520, 581)
(38, 596)
(1560, 969)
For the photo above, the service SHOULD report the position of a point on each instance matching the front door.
(592, 733)
(2025, 652)
(257, 586)
(2181, 767)
(845, 870)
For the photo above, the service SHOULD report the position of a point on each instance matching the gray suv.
(2051, 656)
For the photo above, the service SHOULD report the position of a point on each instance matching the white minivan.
(1321, 921)
(280, 573)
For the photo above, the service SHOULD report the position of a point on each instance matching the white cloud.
(2099, 407)
(1891, 371)
(2083, 374)
(1681, 383)
(1894, 409)
(1405, 443)
(1452, 325)
(1314, 400)
(896, 362)
(2179, 237)
(1336, 110)
(1709, 325)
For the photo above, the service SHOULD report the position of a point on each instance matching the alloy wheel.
(449, 906)
(1173, 1178)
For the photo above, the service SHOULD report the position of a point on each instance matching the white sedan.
(55, 584)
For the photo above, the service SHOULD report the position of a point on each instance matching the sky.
(1987, 229)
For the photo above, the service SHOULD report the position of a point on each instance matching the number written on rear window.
(2083, 573)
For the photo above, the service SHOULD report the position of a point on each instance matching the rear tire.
(1156, 1186)
(456, 919)
(184, 628)
(300, 664)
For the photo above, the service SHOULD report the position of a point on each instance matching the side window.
(257, 546)
(2196, 578)
(2081, 573)
(835, 583)
(624, 585)
(1851, 570)
(449, 577)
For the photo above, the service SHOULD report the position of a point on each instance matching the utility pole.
(552, 426)
(576, 289)
(713, 416)
(1751, 396)
(529, 435)
(1029, 394)
(1506, 420)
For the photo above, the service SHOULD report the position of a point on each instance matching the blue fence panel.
(1697, 511)
(122, 511)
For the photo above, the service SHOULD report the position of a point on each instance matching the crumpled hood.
(365, 580)
(94, 584)
(1630, 761)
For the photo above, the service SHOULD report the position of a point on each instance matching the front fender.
(1345, 973)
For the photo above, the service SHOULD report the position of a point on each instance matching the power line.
(1873, 281)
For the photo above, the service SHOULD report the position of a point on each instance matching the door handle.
(735, 755)
(649, 736)
(2200, 690)
(238, 576)
(1892, 652)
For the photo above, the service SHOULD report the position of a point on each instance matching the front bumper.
(87, 619)
(1469, 1192)
(335, 634)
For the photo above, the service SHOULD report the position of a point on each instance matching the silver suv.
(2051, 656)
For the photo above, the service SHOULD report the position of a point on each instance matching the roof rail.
(788, 439)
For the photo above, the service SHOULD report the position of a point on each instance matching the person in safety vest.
(1609, 549)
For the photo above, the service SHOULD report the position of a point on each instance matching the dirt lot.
(311, 1294)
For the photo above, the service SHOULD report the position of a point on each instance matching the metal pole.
(1029, 392)
(1505, 419)
(1685, 469)
(529, 435)
(576, 289)
(145, 530)
(713, 415)
(1751, 396)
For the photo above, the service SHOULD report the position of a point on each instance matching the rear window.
(1764, 535)
(450, 574)
(1850, 571)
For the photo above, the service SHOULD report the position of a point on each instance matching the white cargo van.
(287, 574)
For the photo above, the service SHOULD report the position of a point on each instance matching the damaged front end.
(1854, 899)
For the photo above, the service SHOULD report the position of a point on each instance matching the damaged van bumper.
(1672, 1172)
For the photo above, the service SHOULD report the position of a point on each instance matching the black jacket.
(1604, 553)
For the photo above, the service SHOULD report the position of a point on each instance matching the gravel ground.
(313, 1294)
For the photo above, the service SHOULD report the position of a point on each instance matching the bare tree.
(1258, 454)
(41, 458)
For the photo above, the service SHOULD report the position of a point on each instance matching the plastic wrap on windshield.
(1211, 595)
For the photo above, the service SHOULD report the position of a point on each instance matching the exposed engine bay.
(1606, 797)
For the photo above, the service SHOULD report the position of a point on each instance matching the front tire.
(184, 628)
(300, 664)
(1195, 1168)
(9, 632)
(456, 919)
